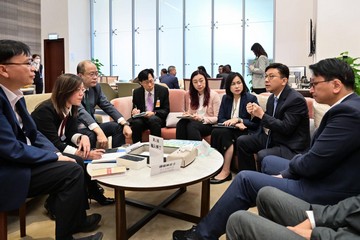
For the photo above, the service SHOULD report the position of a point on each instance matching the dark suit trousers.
(192, 130)
(65, 182)
(248, 145)
(138, 125)
(110, 129)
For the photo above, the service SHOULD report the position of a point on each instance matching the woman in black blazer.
(232, 113)
(56, 118)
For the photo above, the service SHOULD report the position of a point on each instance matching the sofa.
(178, 104)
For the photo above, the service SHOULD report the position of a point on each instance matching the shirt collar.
(13, 97)
(341, 99)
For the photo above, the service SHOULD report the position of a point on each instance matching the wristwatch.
(126, 123)
(240, 120)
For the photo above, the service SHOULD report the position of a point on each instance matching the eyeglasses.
(28, 64)
(236, 83)
(313, 84)
(270, 77)
(80, 90)
(93, 74)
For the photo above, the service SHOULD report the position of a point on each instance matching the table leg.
(205, 198)
(120, 214)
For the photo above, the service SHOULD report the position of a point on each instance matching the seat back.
(108, 91)
(126, 89)
(214, 83)
(177, 100)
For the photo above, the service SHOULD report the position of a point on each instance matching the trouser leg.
(116, 131)
(155, 124)
(244, 225)
(137, 127)
(240, 195)
(281, 207)
(246, 146)
(65, 182)
(181, 127)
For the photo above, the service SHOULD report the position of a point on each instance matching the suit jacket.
(340, 221)
(161, 94)
(290, 124)
(96, 98)
(48, 123)
(332, 164)
(211, 110)
(16, 156)
(226, 109)
(258, 73)
(170, 80)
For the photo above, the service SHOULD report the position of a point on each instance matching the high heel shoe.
(218, 181)
(101, 199)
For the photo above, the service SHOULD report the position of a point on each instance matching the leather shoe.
(218, 181)
(101, 199)
(90, 224)
(49, 210)
(189, 234)
(96, 236)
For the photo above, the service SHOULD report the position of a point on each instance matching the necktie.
(62, 126)
(87, 103)
(149, 102)
(269, 133)
(275, 104)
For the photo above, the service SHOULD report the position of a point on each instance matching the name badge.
(157, 105)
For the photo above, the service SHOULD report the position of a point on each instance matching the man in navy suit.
(30, 165)
(170, 78)
(119, 128)
(326, 174)
(284, 128)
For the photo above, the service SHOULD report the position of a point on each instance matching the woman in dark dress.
(56, 118)
(232, 113)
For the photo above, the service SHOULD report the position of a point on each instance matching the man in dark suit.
(284, 217)
(30, 165)
(98, 133)
(285, 128)
(170, 78)
(326, 174)
(153, 100)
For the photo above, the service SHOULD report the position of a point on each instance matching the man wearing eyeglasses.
(153, 101)
(30, 165)
(119, 128)
(326, 174)
(285, 123)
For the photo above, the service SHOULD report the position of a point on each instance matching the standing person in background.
(232, 113)
(163, 72)
(203, 109)
(225, 73)
(38, 80)
(153, 99)
(220, 71)
(56, 118)
(258, 68)
(170, 78)
(203, 69)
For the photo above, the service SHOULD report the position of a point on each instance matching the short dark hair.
(143, 75)
(333, 68)
(283, 69)
(11, 48)
(229, 80)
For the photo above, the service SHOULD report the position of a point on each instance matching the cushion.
(172, 119)
(319, 111)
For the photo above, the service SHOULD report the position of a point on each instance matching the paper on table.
(109, 157)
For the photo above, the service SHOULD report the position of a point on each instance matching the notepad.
(221, 125)
(139, 115)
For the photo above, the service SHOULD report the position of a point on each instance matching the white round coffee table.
(200, 170)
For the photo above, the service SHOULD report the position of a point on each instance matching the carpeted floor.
(39, 226)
